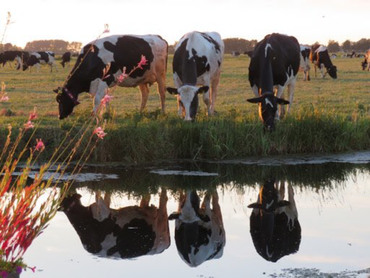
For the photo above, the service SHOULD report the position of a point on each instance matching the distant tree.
(74, 47)
(240, 45)
(362, 45)
(347, 46)
(333, 46)
(57, 46)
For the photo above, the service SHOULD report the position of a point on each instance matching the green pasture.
(327, 116)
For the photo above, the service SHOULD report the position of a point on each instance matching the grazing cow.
(13, 55)
(197, 61)
(125, 233)
(41, 57)
(366, 63)
(66, 58)
(199, 231)
(235, 53)
(102, 62)
(305, 61)
(275, 62)
(320, 58)
(274, 224)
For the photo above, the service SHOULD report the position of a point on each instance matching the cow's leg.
(163, 201)
(281, 111)
(291, 87)
(206, 204)
(322, 69)
(216, 206)
(144, 89)
(161, 87)
(144, 203)
(97, 90)
(213, 94)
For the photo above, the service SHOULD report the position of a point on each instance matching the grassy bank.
(327, 116)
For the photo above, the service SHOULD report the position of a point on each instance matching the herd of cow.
(275, 62)
(133, 231)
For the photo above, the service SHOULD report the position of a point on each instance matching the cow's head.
(333, 72)
(268, 105)
(187, 97)
(67, 101)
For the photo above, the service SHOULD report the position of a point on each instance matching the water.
(331, 196)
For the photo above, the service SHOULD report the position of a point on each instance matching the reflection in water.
(199, 231)
(274, 224)
(127, 232)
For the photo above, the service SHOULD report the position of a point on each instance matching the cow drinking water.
(119, 54)
(197, 61)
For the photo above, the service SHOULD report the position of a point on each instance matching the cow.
(197, 61)
(123, 233)
(274, 224)
(41, 57)
(305, 61)
(235, 53)
(199, 230)
(120, 54)
(275, 63)
(66, 58)
(366, 63)
(320, 58)
(14, 55)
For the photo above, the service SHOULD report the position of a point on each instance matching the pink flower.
(33, 115)
(106, 28)
(99, 132)
(122, 76)
(143, 62)
(28, 125)
(32, 268)
(40, 145)
(4, 98)
(107, 98)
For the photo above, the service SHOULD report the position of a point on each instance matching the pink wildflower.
(122, 76)
(40, 145)
(106, 28)
(143, 62)
(4, 98)
(33, 115)
(99, 132)
(107, 98)
(28, 125)
(32, 268)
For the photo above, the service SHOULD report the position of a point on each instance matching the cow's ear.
(203, 89)
(283, 204)
(172, 91)
(282, 101)
(174, 216)
(255, 100)
(255, 206)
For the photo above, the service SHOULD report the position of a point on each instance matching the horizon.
(83, 21)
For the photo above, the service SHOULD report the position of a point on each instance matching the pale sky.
(83, 20)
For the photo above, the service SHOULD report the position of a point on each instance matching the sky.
(83, 21)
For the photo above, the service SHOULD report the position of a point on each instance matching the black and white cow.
(305, 61)
(199, 230)
(197, 61)
(366, 63)
(66, 58)
(14, 55)
(118, 53)
(320, 58)
(41, 57)
(126, 232)
(275, 62)
(274, 224)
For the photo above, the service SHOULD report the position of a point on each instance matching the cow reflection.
(127, 232)
(274, 225)
(199, 231)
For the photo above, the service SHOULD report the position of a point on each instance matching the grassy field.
(327, 116)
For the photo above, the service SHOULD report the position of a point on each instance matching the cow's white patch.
(268, 102)
(268, 205)
(267, 47)
(320, 49)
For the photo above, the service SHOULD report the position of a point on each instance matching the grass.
(327, 116)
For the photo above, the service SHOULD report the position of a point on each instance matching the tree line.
(231, 44)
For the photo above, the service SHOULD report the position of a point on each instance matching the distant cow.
(274, 224)
(120, 54)
(66, 58)
(275, 62)
(320, 58)
(199, 231)
(197, 61)
(305, 61)
(235, 53)
(13, 55)
(41, 57)
(126, 232)
(366, 63)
